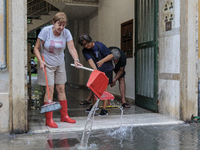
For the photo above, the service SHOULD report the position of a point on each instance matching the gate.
(146, 50)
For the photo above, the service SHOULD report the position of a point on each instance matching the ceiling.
(75, 11)
(79, 11)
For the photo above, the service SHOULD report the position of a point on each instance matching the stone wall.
(177, 58)
(4, 74)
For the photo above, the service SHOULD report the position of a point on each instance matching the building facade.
(161, 74)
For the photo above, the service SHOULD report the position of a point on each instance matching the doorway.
(146, 51)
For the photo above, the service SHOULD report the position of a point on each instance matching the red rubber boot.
(64, 113)
(49, 119)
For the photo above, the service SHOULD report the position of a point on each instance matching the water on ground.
(168, 137)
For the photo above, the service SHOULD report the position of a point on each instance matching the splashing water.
(88, 127)
(122, 111)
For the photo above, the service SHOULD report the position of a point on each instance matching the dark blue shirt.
(98, 52)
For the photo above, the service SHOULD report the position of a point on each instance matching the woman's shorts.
(55, 75)
(109, 74)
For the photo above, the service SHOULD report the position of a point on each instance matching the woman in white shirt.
(51, 43)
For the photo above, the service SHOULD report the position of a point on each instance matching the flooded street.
(167, 137)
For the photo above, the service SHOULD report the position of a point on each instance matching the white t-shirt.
(54, 46)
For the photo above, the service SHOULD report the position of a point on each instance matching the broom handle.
(89, 69)
(45, 72)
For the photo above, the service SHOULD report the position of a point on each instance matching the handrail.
(95, 1)
(38, 11)
(35, 4)
(34, 9)
(77, 1)
(30, 2)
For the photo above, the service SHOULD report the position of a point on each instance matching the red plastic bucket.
(97, 82)
(106, 96)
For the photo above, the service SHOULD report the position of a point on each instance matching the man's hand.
(113, 84)
(100, 63)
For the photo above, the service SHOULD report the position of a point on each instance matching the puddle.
(60, 143)
(149, 137)
(168, 137)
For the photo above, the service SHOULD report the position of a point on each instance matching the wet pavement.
(165, 137)
(137, 128)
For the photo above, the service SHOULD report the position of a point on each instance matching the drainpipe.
(4, 65)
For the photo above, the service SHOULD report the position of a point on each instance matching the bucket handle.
(81, 67)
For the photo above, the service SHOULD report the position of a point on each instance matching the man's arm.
(118, 75)
(92, 64)
(105, 59)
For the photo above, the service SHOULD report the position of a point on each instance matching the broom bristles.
(50, 107)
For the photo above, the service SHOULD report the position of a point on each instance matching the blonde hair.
(60, 16)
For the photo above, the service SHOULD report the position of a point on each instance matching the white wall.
(87, 26)
(111, 14)
(18, 65)
(13, 85)
(177, 59)
(169, 60)
(4, 77)
(91, 28)
(4, 99)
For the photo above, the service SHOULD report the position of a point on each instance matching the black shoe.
(88, 110)
(85, 102)
(103, 112)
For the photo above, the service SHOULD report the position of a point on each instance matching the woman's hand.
(77, 63)
(42, 65)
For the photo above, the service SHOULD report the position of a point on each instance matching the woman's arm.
(73, 52)
(37, 53)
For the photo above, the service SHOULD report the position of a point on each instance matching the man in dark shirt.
(119, 60)
(99, 58)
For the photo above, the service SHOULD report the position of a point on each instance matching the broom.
(51, 106)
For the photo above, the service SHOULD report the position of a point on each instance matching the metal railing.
(36, 8)
(78, 1)
(86, 1)
(30, 1)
